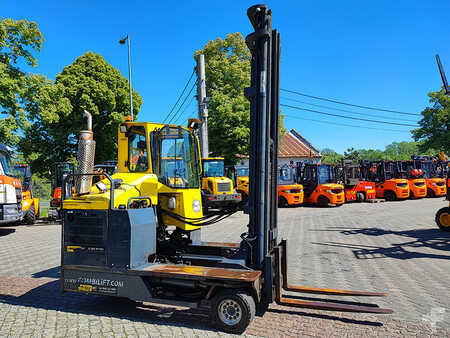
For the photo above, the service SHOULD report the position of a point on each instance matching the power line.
(184, 101)
(348, 104)
(347, 117)
(179, 97)
(344, 125)
(346, 111)
(185, 108)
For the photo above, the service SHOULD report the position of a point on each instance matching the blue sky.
(378, 53)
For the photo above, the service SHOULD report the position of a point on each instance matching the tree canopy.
(227, 67)
(18, 41)
(55, 111)
(394, 151)
(434, 131)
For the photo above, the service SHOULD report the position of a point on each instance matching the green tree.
(434, 131)
(329, 156)
(227, 67)
(372, 155)
(352, 154)
(55, 112)
(18, 40)
(401, 150)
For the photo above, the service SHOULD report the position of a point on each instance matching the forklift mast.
(263, 94)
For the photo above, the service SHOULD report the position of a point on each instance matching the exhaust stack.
(85, 158)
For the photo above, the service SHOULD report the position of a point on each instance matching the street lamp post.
(122, 42)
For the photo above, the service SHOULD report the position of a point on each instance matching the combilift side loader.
(30, 204)
(443, 214)
(433, 171)
(386, 184)
(320, 185)
(58, 174)
(217, 189)
(417, 184)
(354, 178)
(116, 239)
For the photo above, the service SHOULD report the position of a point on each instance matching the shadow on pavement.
(49, 297)
(49, 273)
(6, 231)
(420, 238)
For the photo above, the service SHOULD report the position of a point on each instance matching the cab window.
(137, 149)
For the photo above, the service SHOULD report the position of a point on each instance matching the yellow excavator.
(217, 189)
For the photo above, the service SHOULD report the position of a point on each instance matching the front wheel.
(233, 310)
(282, 202)
(389, 195)
(443, 218)
(360, 197)
(323, 201)
(30, 216)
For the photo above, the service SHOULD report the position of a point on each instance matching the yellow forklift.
(217, 189)
(129, 235)
(30, 204)
(443, 214)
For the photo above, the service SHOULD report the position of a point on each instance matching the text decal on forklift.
(94, 285)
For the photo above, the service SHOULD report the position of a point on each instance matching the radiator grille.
(86, 230)
(223, 187)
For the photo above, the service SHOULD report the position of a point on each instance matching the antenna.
(444, 79)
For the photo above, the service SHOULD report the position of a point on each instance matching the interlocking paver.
(393, 247)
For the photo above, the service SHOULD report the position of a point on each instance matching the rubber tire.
(389, 196)
(282, 203)
(360, 197)
(323, 201)
(438, 218)
(246, 303)
(430, 193)
(30, 216)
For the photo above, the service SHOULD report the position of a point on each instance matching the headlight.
(196, 206)
(287, 191)
(172, 203)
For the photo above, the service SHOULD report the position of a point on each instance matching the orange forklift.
(59, 173)
(290, 193)
(433, 171)
(416, 182)
(387, 185)
(354, 178)
(320, 185)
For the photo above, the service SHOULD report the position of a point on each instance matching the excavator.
(354, 178)
(443, 215)
(30, 204)
(387, 185)
(217, 189)
(320, 185)
(133, 234)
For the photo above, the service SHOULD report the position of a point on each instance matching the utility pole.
(122, 42)
(202, 105)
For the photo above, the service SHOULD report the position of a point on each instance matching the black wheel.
(323, 201)
(430, 193)
(443, 218)
(389, 195)
(204, 206)
(30, 217)
(282, 202)
(233, 310)
(360, 197)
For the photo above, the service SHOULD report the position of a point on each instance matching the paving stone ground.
(393, 247)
